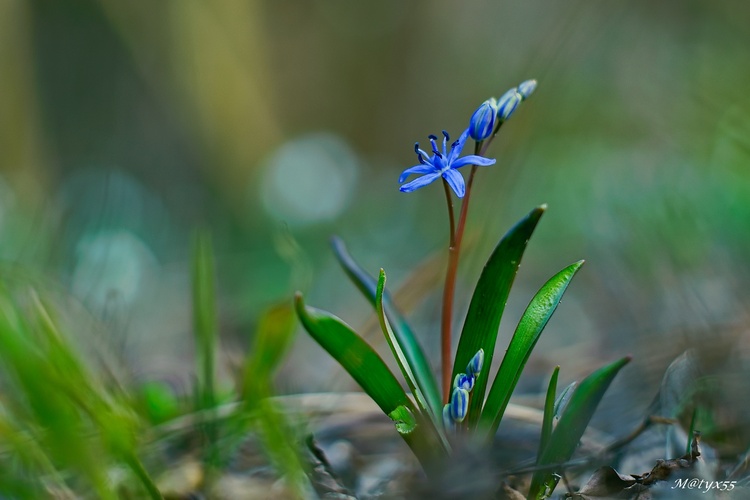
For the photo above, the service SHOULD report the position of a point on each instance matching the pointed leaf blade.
(527, 333)
(360, 360)
(549, 411)
(573, 422)
(412, 351)
(488, 303)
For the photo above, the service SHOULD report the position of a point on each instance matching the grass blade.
(204, 315)
(527, 333)
(487, 305)
(272, 340)
(411, 349)
(573, 422)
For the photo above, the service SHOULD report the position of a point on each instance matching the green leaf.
(272, 339)
(527, 334)
(487, 305)
(405, 421)
(569, 430)
(204, 314)
(371, 373)
(412, 351)
(355, 355)
(549, 411)
(431, 419)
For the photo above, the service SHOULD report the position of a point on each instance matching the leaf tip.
(299, 301)
(337, 243)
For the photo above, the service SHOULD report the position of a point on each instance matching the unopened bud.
(527, 88)
(464, 381)
(508, 103)
(474, 367)
(459, 405)
(482, 122)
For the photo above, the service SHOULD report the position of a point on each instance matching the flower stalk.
(483, 127)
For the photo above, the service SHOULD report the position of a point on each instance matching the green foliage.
(421, 426)
(404, 336)
(549, 411)
(67, 431)
(55, 416)
(575, 418)
(369, 370)
(527, 334)
(488, 303)
(204, 316)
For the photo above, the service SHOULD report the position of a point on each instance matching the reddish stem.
(449, 290)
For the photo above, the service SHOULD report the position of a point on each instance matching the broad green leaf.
(355, 355)
(204, 314)
(368, 369)
(411, 349)
(549, 411)
(487, 305)
(569, 430)
(527, 334)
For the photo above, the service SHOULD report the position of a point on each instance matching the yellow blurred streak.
(217, 76)
(21, 145)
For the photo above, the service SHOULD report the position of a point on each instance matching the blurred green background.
(124, 125)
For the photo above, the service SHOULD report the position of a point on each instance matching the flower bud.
(448, 422)
(464, 381)
(482, 122)
(459, 405)
(527, 88)
(475, 365)
(508, 103)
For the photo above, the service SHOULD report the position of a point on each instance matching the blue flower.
(443, 165)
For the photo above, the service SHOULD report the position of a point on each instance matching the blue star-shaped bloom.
(443, 165)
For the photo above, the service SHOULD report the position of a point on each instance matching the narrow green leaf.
(549, 411)
(527, 334)
(487, 305)
(204, 314)
(411, 349)
(395, 345)
(563, 399)
(569, 430)
(433, 419)
(355, 355)
(272, 339)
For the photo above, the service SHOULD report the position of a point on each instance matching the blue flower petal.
(416, 169)
(455, 181)
(419, 182)
(479, 161)
(459, 146)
